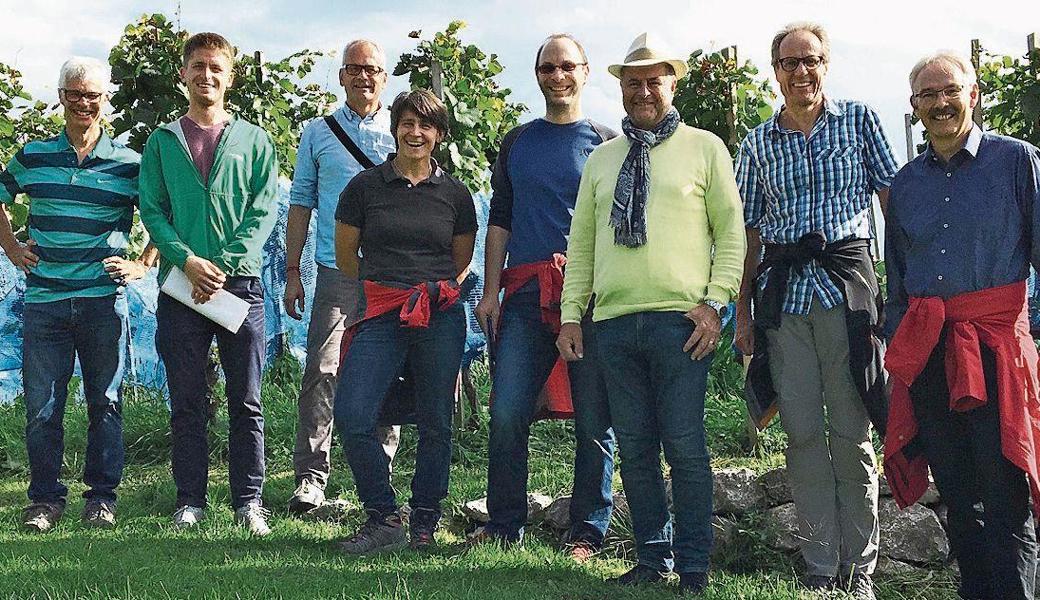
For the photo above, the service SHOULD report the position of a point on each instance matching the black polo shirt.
(406, 229)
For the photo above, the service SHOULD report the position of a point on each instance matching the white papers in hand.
(223, 308)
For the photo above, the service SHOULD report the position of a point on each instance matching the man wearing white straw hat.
(658, 236)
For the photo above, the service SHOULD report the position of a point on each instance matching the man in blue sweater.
(535, 184)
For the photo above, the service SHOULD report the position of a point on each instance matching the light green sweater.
(695, 232)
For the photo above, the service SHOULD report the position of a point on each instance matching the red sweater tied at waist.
(554, 402)
(996, 317)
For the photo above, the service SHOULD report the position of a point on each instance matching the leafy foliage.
(715, 86)
(480, 113)
(1011, 95)
(146, 62)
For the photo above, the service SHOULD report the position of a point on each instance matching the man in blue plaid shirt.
(807, 177)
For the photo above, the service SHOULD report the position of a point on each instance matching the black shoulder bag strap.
(348, 143)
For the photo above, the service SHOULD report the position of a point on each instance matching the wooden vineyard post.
(976, 52)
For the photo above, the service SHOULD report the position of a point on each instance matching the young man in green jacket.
(208, 189)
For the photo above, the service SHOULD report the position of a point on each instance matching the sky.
(873, 44)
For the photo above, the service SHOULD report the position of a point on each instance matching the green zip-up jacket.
(225, 220)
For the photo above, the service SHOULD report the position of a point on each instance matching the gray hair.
(363, 42)
(946, 57)
(813, 28)
(84, 68)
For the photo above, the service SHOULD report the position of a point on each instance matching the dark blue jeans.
(55, 333)
(995, 547)
(656, 395)
(378, 353)
(183, 338)
(526, 354)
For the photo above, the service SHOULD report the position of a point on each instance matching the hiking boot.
(99, 513)
(421, 525)
(860, 586)
(42, 516)
(306, 498)
(253, 517)
(581, 551)
(378, 534)
(637, 575)
(693, 584)
(186, 516)
(820, 583)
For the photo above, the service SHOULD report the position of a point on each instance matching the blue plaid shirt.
(792, 186)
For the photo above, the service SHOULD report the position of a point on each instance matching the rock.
(725, 532)
(883, 490)
(558, 515)
(781, 527)
(913, 535)
(736, 491)
(620, 503)
(331, 510)
(887, 567)
(476, 510)
(536, 507)
(775, 487)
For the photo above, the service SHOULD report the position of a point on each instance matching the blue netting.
(144, 367)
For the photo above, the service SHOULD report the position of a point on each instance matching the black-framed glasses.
(790, 63)
(77, 95)
(355, 70)
(566, 66)
(930, 97)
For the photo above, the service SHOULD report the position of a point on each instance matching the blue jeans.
(95, 329)
(656, 396)
(183, 338)
(378, 353)
(526, 355)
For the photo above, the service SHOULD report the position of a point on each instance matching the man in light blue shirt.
(324, 166)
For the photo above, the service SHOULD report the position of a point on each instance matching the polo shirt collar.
(102, 149)
(971, 145)
(391, 174)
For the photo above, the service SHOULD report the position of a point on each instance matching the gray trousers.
(831, 464)
(333, 309)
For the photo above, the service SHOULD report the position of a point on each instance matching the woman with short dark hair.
(415, 226)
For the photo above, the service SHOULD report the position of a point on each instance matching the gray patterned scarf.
(628, 215)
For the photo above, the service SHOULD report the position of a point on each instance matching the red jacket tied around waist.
(549, 274)
(996, 317)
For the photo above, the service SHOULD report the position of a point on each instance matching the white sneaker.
(254, 518)
(306, 498)
(187, 516)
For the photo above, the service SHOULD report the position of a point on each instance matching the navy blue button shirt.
(962, 226)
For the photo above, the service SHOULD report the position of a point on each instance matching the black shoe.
(819, 583)
(421, 525)
(693, 583)
(638, 575)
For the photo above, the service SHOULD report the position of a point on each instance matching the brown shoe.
(580, 552)
(99, 513)
(42, 516)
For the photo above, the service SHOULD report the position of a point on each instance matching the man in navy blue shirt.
(535, 182)
(961, 232)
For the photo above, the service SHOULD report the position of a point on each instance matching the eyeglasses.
(76, 95)
(790, 63)
(355, 70)
(566, 66)
(929, 97)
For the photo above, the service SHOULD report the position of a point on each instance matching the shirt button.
(940, 278)
(947, 199)
(946, 225)
(949, 174)
(943, 251)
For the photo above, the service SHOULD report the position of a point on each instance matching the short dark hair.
(560, 36)
(213, 41)
(425, 105)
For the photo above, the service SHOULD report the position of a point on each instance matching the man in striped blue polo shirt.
(807, 177)
(83, 189)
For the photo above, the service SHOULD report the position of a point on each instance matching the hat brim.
(679, 66)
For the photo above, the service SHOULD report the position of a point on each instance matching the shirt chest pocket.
(839, 169)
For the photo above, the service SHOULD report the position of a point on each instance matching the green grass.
(144, 558)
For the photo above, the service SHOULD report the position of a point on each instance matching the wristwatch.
(719, 308)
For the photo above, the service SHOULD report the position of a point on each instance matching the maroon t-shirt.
(202, 143)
